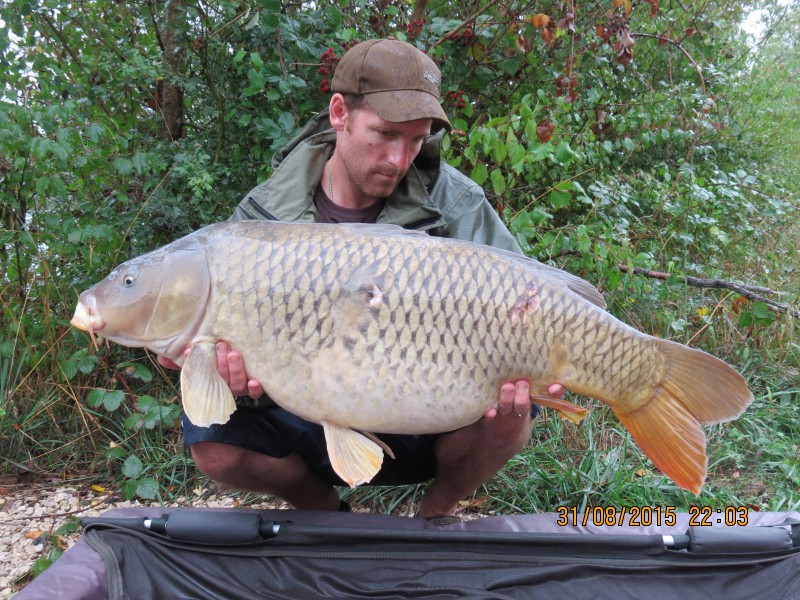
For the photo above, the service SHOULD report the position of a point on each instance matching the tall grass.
(47, 372)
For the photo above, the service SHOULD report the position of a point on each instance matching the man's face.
(376, 154)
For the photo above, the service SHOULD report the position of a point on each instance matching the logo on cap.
(431, 78)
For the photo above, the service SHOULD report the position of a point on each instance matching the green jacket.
(433, 197)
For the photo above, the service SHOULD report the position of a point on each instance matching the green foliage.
(145, 427)
(661, 140)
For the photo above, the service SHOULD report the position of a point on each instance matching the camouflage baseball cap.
(399, 82)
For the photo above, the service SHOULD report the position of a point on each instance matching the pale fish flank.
(371, 329)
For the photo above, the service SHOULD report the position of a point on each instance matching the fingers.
(505, 400)
(522, 398)
(223, 350)
(254, 389)
(231, 367)
(514, 398)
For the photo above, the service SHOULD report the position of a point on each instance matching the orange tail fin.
(696, 389)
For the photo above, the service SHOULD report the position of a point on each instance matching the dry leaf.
(625, 3)
(544, 131)
(35, 534)
(473, 504)
(540, 20)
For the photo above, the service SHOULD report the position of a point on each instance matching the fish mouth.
(87, 318)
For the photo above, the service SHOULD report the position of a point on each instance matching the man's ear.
(337, 112)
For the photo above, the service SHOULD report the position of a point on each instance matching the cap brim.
(399, 106)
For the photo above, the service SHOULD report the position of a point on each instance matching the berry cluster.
(329, 60)
(347, 45)
(464, 37)
(414, 28)
(456, 99)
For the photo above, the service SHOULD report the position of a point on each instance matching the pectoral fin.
(354, 457)
(378, 441)
(567, 410)
(207, 399)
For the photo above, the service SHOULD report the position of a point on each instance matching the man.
(371, 157)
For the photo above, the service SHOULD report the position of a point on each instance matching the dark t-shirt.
(333, 213)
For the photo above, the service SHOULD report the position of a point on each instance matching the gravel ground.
(29, 512)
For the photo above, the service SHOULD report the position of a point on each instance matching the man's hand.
(514, 397)
(231, 369)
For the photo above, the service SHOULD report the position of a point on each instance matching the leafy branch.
(464, 23)
(683, 51)
(751, 292)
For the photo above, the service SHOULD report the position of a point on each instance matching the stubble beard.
(372, 185)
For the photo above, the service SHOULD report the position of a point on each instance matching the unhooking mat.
(303, 555)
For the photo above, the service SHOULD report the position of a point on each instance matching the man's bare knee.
(215, 459)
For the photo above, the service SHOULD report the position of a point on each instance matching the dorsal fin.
(579, 286)
(583, 288)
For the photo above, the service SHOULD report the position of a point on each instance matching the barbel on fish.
(371, 329)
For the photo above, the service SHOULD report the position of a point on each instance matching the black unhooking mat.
(245, 554)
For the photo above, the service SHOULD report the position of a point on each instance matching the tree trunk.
(170, 94)
(419, 10)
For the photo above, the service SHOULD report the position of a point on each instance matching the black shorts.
(273, 431)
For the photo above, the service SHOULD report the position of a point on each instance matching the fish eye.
(128, 279)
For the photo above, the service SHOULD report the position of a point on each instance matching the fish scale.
(373, 328)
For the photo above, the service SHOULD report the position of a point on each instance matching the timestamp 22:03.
(609, 516)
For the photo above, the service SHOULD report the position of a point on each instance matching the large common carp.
(375, 329)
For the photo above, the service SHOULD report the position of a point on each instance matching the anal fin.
(354, 457)
(567, 410)
(207, 399)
